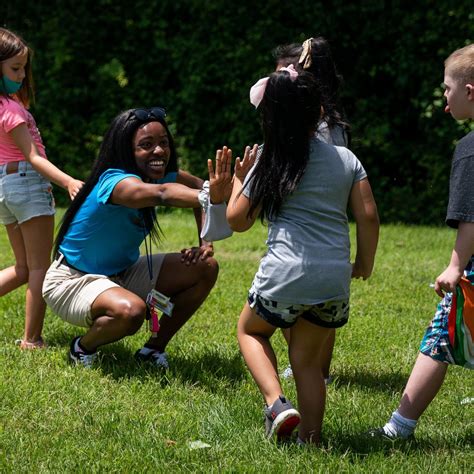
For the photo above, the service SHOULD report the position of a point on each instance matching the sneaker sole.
(284, 424)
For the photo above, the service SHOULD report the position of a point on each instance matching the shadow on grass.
(379, 381)
(360, 445)
(208, 367)
(61, 338)
(213, 366)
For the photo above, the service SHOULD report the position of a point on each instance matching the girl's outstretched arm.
(239, 205)
(22, 138)
(364, 210)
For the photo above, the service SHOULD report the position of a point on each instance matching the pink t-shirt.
(12, 114)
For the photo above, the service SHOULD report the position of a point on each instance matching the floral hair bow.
(258, 89)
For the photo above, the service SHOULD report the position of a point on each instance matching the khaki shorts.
(71, 293)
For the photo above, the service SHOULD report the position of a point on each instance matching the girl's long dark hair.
(289, 111)
(325, 72)
(116, 151)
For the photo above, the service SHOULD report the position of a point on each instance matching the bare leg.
(13, 277)
(117, 313)
(188, 286)
(306, 344)
(254, 339)
(38, 240)
(425, 380)
(286, 334)
(326, 353)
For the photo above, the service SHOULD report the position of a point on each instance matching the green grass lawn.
(121, 417)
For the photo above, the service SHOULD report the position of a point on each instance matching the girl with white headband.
(301, 187)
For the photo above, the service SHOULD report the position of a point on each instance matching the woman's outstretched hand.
(244, 165)
(220, 178)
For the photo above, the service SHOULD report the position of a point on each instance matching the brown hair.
(10, 45)
(460, 64)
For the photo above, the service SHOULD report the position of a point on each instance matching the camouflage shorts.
(329, 314)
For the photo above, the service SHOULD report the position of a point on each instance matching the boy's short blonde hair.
(460, 64)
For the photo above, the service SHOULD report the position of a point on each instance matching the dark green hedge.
(198, 59)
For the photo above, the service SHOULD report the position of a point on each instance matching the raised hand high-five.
(244, 165)
(220, 178)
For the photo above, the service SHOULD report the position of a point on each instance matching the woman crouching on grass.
(301, 186)
(98, 279)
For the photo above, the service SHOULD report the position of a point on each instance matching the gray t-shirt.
(308, 257)
(461, 197)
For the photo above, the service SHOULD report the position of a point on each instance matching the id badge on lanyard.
(155, 301)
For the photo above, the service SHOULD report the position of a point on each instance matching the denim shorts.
(24, 194)
(328, 314)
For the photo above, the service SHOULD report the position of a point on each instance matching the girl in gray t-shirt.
(315, 57)
(301, 187)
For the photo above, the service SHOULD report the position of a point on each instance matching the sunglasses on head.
(146, 114)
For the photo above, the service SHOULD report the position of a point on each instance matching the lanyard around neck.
(148, 245)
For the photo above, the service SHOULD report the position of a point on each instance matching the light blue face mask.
(7, 86)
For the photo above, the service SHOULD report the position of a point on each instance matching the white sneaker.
(287, 373)
(81, 358)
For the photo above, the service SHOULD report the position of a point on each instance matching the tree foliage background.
(94, 58)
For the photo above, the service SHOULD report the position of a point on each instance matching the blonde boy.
(436, 351)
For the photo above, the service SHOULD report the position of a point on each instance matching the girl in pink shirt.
(26, 199)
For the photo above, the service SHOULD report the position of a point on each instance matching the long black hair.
(116, 151)
(289, 110)
(325, 72)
